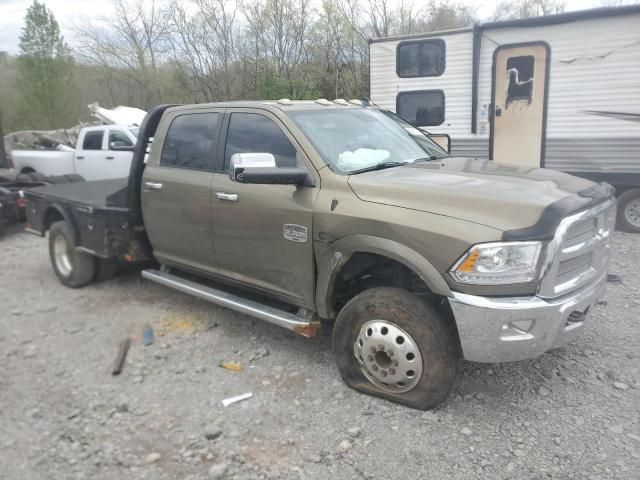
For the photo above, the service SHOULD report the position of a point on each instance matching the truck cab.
(104, 151)
(345, 212)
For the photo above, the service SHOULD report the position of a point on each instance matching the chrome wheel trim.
(632, 212)
(61, 256)
(388, 356)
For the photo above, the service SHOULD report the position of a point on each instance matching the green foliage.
(271, 85)
(513, 9)
(46, 85)
(447, 16)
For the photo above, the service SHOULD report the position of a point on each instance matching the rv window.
(423, 108)
(520, 78)
(424, 58)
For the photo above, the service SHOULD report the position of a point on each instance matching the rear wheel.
(105, 269)
(74, 177)
(629, 211)
(56, 179)
(37, 177)
(73, 268)
(391, 344)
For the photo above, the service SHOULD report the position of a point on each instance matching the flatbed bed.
(104, 215)
(100, 194)
(98, 211)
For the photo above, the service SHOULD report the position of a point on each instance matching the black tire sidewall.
(623, 200)
(73, 178)
(421, 321)
(82, 264)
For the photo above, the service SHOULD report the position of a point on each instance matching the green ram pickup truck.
(297, 212)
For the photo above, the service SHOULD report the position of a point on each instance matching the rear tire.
(73, 268)
(37, 177)
(414, 362)
(105, 269)
(56, 179)
(73, 178)
(629, 211)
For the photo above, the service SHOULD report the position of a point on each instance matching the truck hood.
(498, 195)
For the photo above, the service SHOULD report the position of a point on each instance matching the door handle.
(229, 197)
(109, 158)
(153, 185)
(79, 158)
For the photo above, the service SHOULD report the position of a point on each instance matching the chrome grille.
(580, 233)
(568, 269)
(579, 252)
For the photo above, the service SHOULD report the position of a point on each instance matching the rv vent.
(323, 101)
(285, 101)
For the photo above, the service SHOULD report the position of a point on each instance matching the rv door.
(520, 78)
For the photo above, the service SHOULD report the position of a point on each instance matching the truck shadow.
(479, 386)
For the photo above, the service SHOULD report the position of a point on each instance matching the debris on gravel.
(212, 432)
(570, 414)
(345, 446)
(153, 457)
(218, 471)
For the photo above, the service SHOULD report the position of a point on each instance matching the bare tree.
(279, 30)
(131, 44)
(513, 9)
(204, 44)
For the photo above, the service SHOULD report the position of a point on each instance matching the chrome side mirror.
(246, 161)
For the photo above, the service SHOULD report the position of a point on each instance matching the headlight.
(498, 263)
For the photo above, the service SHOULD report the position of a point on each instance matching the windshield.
(351, 140)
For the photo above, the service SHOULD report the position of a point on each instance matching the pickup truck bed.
(98, 213)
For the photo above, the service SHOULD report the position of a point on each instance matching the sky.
(69, 12)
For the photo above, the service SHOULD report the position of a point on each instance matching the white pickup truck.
(101, 152)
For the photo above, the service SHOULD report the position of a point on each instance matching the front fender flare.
(333, 257)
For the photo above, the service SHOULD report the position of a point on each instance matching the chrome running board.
(290, 321)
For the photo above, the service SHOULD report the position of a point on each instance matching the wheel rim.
(61, 256)
(388, 356)
(632, 212)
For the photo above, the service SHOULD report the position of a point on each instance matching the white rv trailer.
(561, 92)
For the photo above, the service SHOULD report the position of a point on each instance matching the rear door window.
(93, 140)
(191, 141)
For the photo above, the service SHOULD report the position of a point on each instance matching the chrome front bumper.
(518, 328)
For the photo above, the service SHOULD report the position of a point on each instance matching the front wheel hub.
(388, 356)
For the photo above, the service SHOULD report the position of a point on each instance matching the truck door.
(520, 78)
(176, 188)
(119, 154)
(262, 233)
(89, 157)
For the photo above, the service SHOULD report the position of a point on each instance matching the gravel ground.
(570, 414)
